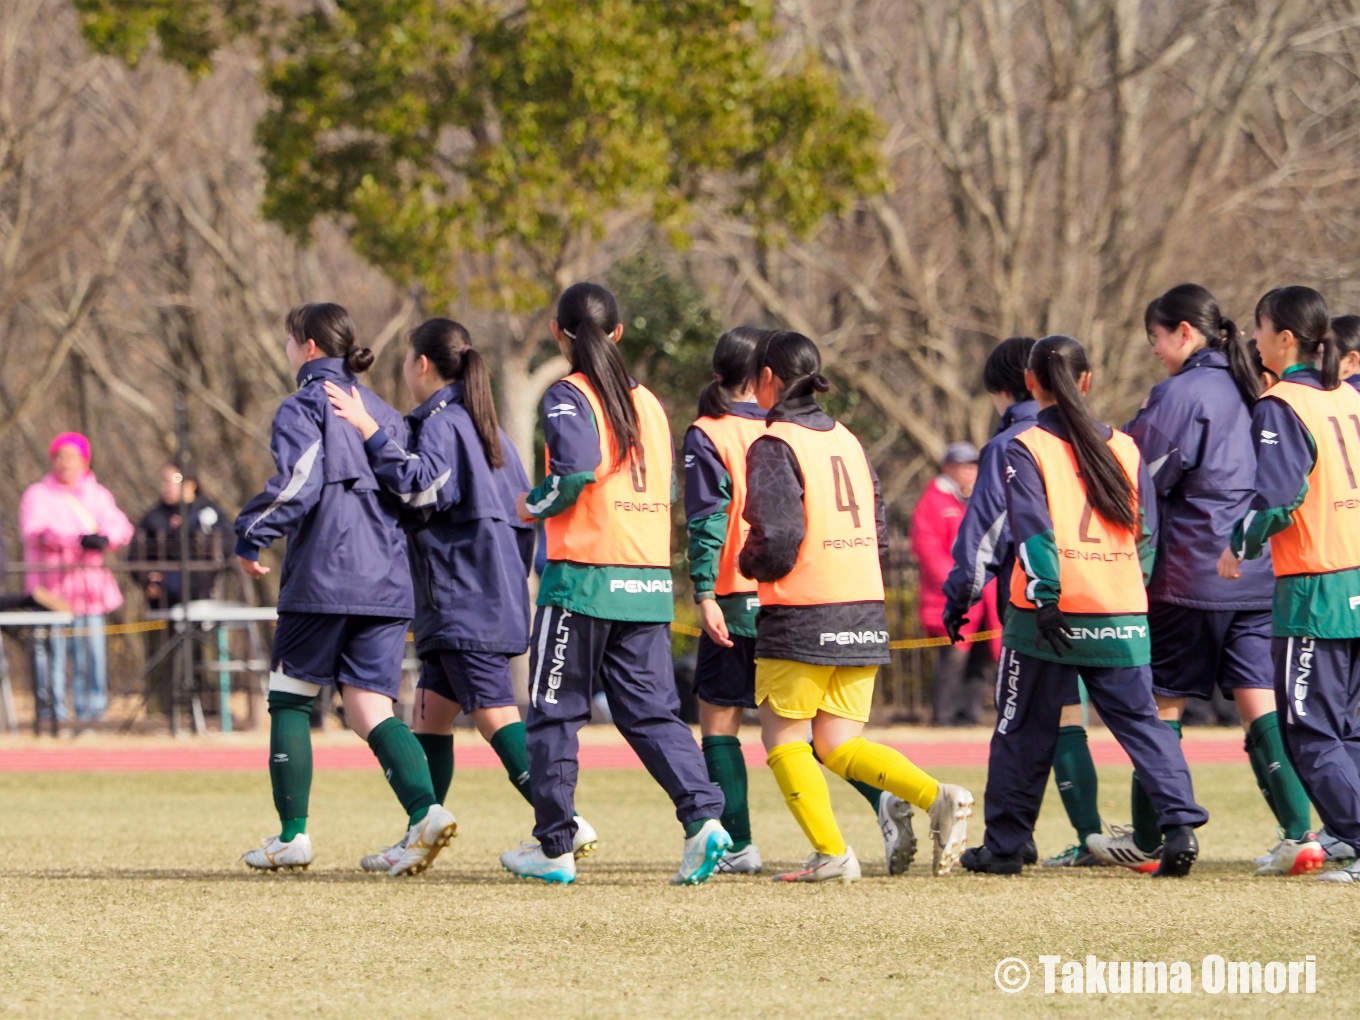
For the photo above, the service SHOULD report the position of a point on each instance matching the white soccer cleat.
(585, 841)
(745, 861)
(701, 853)
(1268, 856)
(529, 861)
(949, 826)
(275, 855)
(899, 841)
(424, 840)
(1119, 848)
(821, 867)
(1350, 873)
(1294, 857)
(1335, 849)
(385, 859)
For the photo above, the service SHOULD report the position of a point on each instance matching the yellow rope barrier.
(927, 642)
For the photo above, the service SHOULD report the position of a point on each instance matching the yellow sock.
(881, 766)
(804, 787)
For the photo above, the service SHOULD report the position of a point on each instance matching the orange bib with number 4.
(1325, 535)
(624, 517)
(1098, 566)
(732, 435)
(838, 561)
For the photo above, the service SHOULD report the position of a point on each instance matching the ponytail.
(330, 327)
(1302, 311)
(733, 369)
(1192, 304)
(1058, 362)
(588, 315)
(794, 360)
(448, 347)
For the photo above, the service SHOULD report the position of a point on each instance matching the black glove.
(94, 543)
(1050, 625)
(953, 620)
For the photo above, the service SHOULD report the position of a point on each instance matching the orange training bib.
(624, 517)
(1098, 567)
(732, 435)
(838, 560)
(1325, 535)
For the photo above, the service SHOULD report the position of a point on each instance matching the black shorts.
(328, 648)
(1193, 649)
(726, 676)
(473, 679)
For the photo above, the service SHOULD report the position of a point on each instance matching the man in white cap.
(934, 524)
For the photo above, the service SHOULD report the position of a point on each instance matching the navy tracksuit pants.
(633, 662)
(1029, 700)
(1317, 693)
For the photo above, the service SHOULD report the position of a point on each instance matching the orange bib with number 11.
(838, 561)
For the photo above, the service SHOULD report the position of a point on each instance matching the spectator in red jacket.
(961, 671)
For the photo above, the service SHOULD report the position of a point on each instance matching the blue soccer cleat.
(702, 852)
(529, 861)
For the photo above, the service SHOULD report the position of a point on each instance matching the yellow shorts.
(799, 690)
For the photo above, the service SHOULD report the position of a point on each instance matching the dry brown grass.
(120, 896)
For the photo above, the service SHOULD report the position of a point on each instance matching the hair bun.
(358, 359)
(820, 383)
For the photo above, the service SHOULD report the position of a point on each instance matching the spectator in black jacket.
(158, 539)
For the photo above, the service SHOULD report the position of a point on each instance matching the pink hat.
(70, 439)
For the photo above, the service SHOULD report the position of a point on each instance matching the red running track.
(190, 758)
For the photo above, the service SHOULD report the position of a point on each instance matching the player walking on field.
(1194, 433)
(1082, 516)
(725, 675)
(821, 633)
(1307, 433)
(604, 605)
(345, 598)
(470, 554)
(983, 550)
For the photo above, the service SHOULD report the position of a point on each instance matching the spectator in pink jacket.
(69, 520)
(961, 671)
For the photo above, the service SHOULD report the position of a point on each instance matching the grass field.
(120, 895)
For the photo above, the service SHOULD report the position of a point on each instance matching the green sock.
(1075, 774)
(870, 793)
(290, 759)
(508, 743)
(403, 763)
(1281, 786)
(692, 828)
(727, 768)
(438, 749)
(1147, 832)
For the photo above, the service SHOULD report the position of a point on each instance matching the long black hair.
(588, 315)
(1058, 363)
(794, 360)
(448, 347)
(1346, 333)
(329, 325)
(1190, 303)
(1004, 371)
(1302, 311)
(733, 369)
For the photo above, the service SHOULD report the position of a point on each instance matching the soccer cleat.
(1335, 849)
(899, 841)
(1029, 853)
(1119, 848)
(424, 840)
(529, 861)
(1269, 855)
(949, 826)
(584, 842)
(1350, 873)
(275, 855)
(1074, 857)
(1294, 857)
(745, 861)
(1178, 853)
(701, 854)
(981, 859)
(825, 868)
(385, 858)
